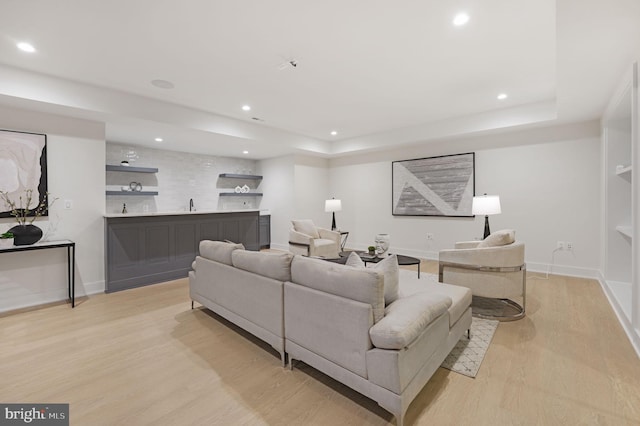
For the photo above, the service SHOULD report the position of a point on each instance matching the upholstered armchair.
(492, 268)
(308, 240)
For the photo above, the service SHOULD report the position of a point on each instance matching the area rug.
(467, 355)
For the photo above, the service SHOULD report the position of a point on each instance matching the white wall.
(311, 190)
(75, 168)
(181, 176)
(548, 192)
(278, 189)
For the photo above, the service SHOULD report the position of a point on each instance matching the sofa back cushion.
(219, 251)
(362, 285)
(272, 265)
(499, 238)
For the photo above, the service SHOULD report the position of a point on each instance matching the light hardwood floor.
(143, 357)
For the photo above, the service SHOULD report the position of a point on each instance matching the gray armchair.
(493, 268)
(308, 240)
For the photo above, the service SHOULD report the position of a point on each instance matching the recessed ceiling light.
(502, 96)
(246, 108)
(333, 133)
(158, 139)
(245, 152)
(163, 84)
(460, 19)
(26, 47)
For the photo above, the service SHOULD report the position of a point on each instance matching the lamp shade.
(486, 205)
(332, 205)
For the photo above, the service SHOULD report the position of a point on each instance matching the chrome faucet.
(192, 208)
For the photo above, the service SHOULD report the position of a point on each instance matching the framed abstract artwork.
(23, 167)
(434, 186)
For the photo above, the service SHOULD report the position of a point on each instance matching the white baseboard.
(55, 295)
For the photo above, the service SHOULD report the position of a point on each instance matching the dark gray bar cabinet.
(151, 248)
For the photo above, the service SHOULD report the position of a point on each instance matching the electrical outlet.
(68, 204)
(429, 236)
(568, 245)
(560, 245)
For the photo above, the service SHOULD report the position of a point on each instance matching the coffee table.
(402, 259)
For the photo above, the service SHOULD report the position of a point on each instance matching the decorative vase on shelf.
(24, 235)
(382, 244)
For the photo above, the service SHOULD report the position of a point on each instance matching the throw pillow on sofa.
(219, 251)
(390, 270)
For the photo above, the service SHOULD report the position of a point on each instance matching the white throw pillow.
(354, 260)
(390, 270)
(389, 267)
(306, 226)
(499, 238)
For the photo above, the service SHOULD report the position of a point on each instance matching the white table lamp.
(333, 206)
(486, 205)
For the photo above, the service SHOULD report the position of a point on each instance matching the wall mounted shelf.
(237, 176)
(625, 230)
(127, 193)
(624, 170)
(240, 194)
(114, 168)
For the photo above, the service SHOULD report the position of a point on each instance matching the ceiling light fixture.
(333, 133)
(163, 84)
(26, 47)
(159, 139)
(502, 96)
(246, 108)
(460, 19)
(245, 152)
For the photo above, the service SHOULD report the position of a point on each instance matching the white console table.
(71, 259)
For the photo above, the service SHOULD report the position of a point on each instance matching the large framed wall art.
(434, 186)
(23, 167)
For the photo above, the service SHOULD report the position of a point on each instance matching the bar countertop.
(183, 213)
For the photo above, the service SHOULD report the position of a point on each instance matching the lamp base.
(487, 231)
(333, 222)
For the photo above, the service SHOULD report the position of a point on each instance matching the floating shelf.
(128, 193)
(113, 168)
(625, 230)
(236, 176)
(241, 194)
(624, 170)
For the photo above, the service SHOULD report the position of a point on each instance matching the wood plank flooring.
(143, 357)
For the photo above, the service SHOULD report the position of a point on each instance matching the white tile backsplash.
(181, 176)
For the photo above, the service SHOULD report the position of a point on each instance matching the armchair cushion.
(406, 318)
(306, 226)
(500, 238)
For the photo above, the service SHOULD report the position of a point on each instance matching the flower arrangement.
(22, 210)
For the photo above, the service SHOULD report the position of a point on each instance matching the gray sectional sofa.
(333, 317)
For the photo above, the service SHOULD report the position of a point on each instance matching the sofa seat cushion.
(460, 296)
(406, 318)
(362, 285)
(220, 251)
(271, 265)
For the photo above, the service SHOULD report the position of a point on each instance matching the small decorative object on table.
(372, 250)
(25, 233)
(6, 240)
(382, 244)
(124, 163)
